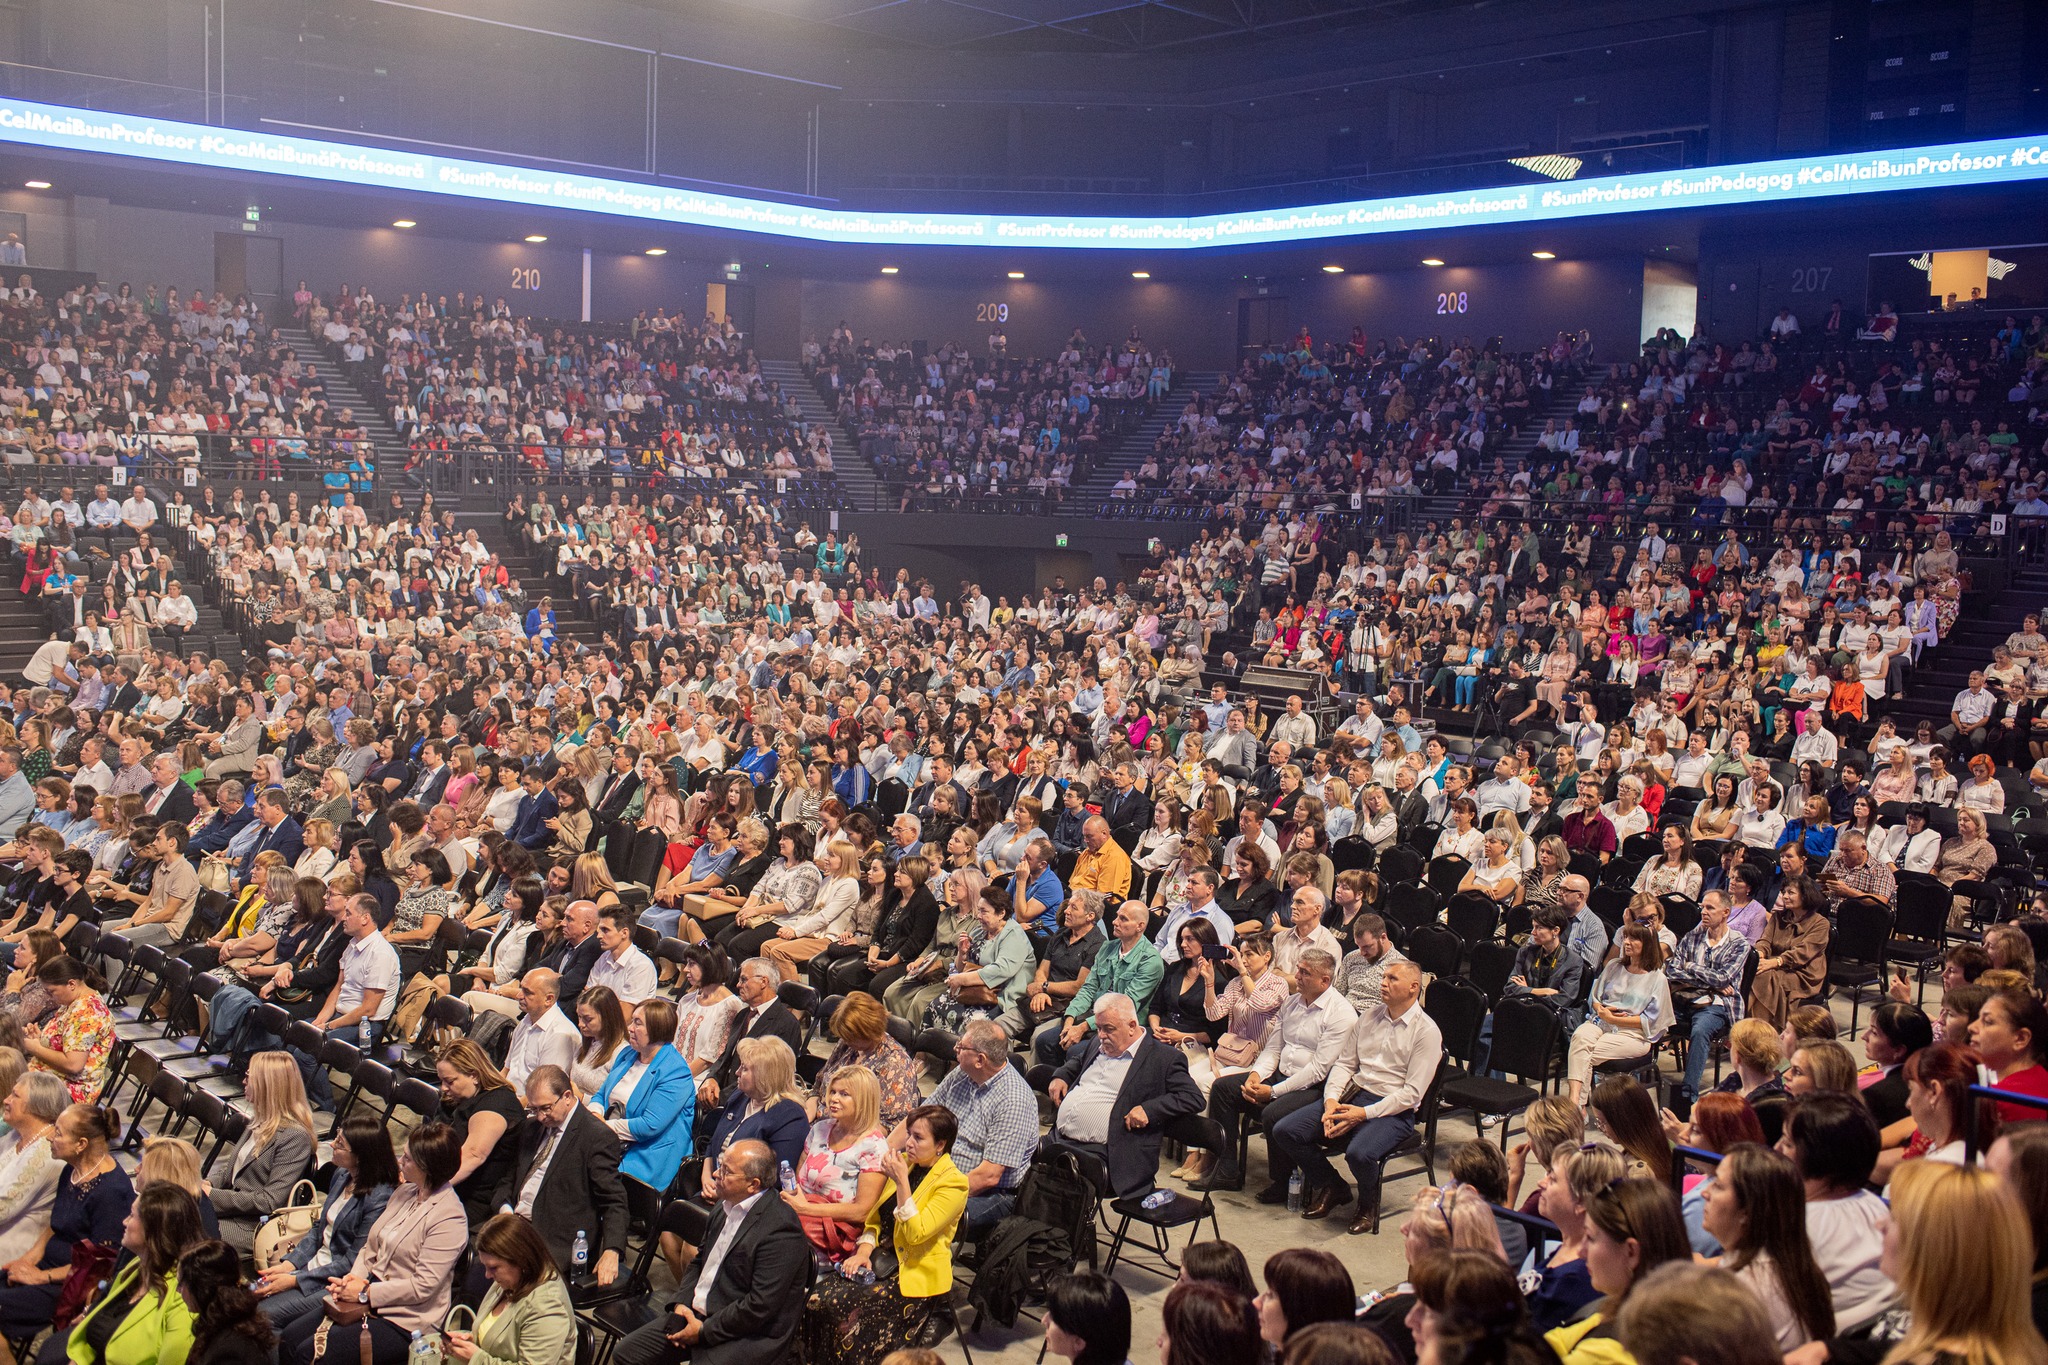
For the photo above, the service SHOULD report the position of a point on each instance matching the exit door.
(1261, 321)
(244, 263)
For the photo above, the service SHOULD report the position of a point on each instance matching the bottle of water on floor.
(1294, 1193)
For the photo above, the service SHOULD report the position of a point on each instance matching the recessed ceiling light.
(1333, 270)
(536, 237)
(888, 270)
(404, 222)
(1141, 274)
(657, 251)
(38, 184)
(1016, 274)
(1544, 255)
(1431, 260)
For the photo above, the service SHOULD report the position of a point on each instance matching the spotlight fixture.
(1544, 255)
(38, 184)
(1141, 274)
(656, 251)
(404, 223)
(1016, 274)
(889, 269)
(1431, 260)
(536, 237)
(1333, 270)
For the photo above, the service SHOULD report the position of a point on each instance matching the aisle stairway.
(341, 393)
(856, 477)
(1126, 454)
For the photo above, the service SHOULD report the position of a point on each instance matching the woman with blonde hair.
(336, 797)
(1439, 1220)
(839, 1178)
(831, 916)
(319, 858)
(591, 880)
(255, 1179)
(174, 1161)
(1961, 1253)
(1553, 1123)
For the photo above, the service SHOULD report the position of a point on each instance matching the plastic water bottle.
(788, 1179)
(579, 1255)
(424, 1351)
(1158, 1199)
(1294, 1185)
(863, 1276)
(363, 1035)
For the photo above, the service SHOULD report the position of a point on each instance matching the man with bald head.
(544, 1035)
(580, 951)
(1102, 865)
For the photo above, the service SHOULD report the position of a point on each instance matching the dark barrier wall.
(1525, 305)
(1008, 556)
(1197, 321)
(125, 242)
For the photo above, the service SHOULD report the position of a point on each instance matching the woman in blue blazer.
(366, 1172)
(650, 1097)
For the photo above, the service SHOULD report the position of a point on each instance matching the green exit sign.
(1060, 540)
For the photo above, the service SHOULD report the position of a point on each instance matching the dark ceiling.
(1088, 26)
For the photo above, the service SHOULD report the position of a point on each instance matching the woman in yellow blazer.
(142, 1319)
(907, 1249)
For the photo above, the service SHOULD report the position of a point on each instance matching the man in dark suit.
(1411, 807)
(564, 1176)
(1119, 1091)
(621, 784)
(939, 773)
(426, 789)
(235, 815)
(169, 799)
(127, 696)
(1125, 807)
(281, 834)
(529, 824)
(740, 1300)
(764, 1017)
(576, 955)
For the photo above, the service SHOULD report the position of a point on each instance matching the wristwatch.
(363, 1298)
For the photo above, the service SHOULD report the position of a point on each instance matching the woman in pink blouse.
(1250, 1001)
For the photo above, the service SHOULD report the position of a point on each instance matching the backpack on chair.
(1051, 1229)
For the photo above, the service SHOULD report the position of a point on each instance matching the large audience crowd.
(824, 933)
(950, 427)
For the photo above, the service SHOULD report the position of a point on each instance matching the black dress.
(477, 1191)
(1181, 1001)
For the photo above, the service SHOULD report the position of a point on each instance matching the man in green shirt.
(1126, 965)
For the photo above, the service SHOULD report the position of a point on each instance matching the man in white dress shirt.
(1306, 932)
(1370, 1102)
(1300, 1048)
(621, 967)
(1201, 905)
(544, 1036)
